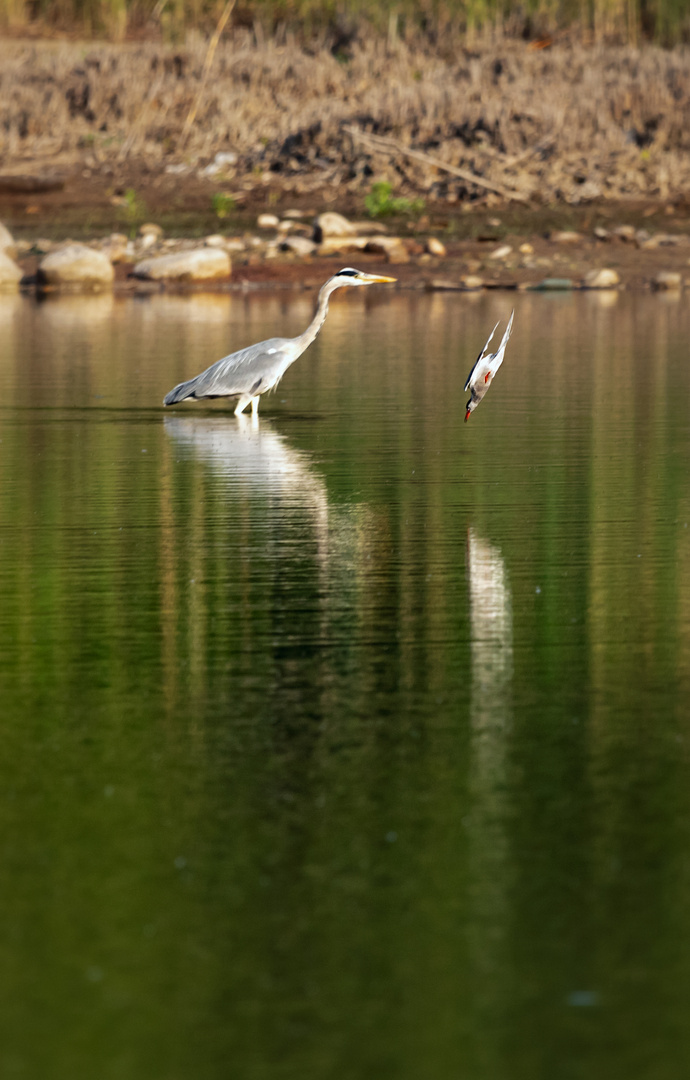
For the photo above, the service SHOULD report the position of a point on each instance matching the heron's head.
(348, 276)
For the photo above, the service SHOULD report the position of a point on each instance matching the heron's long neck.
(305, 339)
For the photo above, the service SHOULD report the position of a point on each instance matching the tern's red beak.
(467, 415)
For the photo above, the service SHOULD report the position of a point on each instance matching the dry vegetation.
(567, 122)
(336, 23)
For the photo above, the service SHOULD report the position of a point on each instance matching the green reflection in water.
(352, 744)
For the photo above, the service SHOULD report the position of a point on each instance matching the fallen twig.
(390, 146)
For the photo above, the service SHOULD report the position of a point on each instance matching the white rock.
(225, 159)
(660, 240)
(299, 245)
(566, 236)
(76, 266)
(625, 232)
(215, 241)
(668, 279)
(602, 279)
(10, 274)
(501, 252)
(589, 191)
(267, 221)
(115, 248)
(391, 246)
(199, 264)
(435, 247)
(151, 229)
(332, 224)
(335, 245)
(472, 281)
(369, 228)
(7, 243)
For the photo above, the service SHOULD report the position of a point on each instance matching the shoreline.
(426, 255)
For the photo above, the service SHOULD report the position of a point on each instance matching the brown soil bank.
(273, 124)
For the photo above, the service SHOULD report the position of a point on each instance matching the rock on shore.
(7, 243)
(76, 266)
(199, 264)
(10, 274)
(605, 278)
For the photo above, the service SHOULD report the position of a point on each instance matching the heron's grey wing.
(479, 359)
(248, 371)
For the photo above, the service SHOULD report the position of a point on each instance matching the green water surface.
(354, 745)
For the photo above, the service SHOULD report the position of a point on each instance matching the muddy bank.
(495, 152)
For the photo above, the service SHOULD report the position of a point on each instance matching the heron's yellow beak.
(375, 279)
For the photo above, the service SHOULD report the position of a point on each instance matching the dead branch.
(390, 146)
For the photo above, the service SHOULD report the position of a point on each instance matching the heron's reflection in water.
(257, 461)
(249, 452)
(491, 721)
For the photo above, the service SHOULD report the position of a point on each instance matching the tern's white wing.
(497, 359)
(479, 359)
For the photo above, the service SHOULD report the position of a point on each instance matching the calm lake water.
(355, 745)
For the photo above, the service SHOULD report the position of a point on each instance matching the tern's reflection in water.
(490, 717)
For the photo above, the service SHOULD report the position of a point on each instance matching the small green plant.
(380, 202)
(223, 204)
(134, 206)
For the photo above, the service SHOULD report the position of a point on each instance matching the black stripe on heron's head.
(347, 272)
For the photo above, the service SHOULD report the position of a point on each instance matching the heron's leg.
(255, 405)
(242, 404)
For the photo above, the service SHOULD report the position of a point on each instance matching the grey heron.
(253, 371)
(485, 367)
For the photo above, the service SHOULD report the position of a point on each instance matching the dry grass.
(568, 122)
(338, 22)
